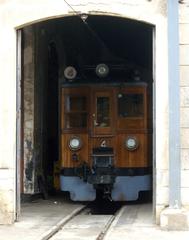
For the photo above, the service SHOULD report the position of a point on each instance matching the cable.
(71, 7)
(84, 17)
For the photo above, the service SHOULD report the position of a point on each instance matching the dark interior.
(125, 45)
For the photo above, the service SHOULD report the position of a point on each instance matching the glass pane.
(77, 120)
(130, 105)
(103, 112)
(76, 103)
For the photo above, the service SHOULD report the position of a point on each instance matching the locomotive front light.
(131, 143)
(102, 70)
(70, 73)
(75, 143)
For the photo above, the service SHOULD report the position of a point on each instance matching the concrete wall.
(184, 90)
(18, 13)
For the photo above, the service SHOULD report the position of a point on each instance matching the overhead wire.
(83, 17)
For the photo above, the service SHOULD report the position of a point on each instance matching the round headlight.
(70, 72)
(75, 143)
(131, 143)
(102, 70)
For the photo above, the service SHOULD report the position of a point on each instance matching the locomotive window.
(130, 105)
(103, 112)
(76, 120)
(76, 112)
(75, 103)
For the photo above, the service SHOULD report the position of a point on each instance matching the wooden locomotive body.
(105, 141)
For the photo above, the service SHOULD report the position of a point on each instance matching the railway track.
(92, 222)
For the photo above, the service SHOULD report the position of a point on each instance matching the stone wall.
(184, 104)
(28, 112)
(35, 75)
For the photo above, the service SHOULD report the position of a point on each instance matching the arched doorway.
(83, 42)
(149, 12)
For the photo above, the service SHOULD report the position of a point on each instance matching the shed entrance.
(80, 51)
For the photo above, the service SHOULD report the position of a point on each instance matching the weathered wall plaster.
(28, 113)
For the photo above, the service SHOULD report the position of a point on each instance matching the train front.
(105, 139)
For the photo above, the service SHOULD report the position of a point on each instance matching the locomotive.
(106, 136)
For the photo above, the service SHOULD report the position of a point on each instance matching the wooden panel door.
(103, 113)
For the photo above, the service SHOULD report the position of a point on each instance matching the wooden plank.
(66, 152)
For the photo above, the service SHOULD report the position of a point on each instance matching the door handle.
(94, 120)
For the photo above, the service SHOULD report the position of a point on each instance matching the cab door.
(103, 112)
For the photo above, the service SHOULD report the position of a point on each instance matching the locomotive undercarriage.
(125, 188)
(102, 176)
(84, 182)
